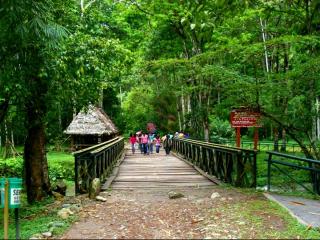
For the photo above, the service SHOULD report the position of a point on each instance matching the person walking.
(167, 144)
(144, 140)
(151, 142)
(157, 143)
(139, 140)
(133, 140)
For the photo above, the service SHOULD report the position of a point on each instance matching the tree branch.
(139, 8)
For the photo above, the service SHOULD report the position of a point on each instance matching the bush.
(221, 130)
(61, 165)
(11, 167)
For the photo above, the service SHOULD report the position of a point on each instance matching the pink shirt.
(133, 140)
(158, 141)
(144, 138)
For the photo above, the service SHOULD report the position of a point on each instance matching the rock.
(47, 234)
(66, 205)
(215, 195)
(56, 224)
(61, 187)
(57, 196)
(64, 213)
(223, 199)
(75, 207)
(102, 199)
(174, 195)
(94, 188)
(36, 236)
(52, 229)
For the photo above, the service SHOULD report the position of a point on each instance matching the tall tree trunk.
(183, 108)
(179, 114)
(35, 161)
(284, 140)
(4, 107)
(264, 38)
(36, 166)
(318, 119)
(276, 140)
(206, 130)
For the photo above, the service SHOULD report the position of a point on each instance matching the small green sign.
(15, 187)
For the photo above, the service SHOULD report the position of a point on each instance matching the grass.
(268, 218)
(259, 218)
(61, 165)
(281, 182)
(35, 218)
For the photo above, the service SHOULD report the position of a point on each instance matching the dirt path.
(151, 214)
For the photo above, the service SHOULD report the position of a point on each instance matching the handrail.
(232, 165)
(219, 145)
(94, 147)
(108, 144)
(290, 147)
(313, 168)
(293, 157)
(96, 162)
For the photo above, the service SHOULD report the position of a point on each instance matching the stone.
(66, 205)
(61, 187)
(94, 188)
(47, 234)
(36, 236)
(101, 199)
(75, 207)
(64, 213)
(52, 229)
(174, 195)
(57, 196)
(56, 224)
(215, 195)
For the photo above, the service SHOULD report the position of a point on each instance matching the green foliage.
(221, 130)
(61, 165)
(35, 219)
(11, 167)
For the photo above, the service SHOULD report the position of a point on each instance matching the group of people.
(147, 141)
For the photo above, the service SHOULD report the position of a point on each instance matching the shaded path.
(139, 207)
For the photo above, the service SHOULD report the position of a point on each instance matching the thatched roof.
(93, 122)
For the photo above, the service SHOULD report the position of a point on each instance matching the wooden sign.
(244, 118)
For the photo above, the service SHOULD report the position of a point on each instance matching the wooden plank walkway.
(157, 171)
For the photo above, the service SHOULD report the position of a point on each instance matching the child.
(158, 143)
(133, 140)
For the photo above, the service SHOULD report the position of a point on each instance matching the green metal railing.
(277, 159)
(267, 146)
(96, 162)
(232, 165)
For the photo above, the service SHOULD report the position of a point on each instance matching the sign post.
(244, 117)
(10, 189)
(238, 137)
(255, 139)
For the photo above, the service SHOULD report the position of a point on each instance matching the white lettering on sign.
(15, 196)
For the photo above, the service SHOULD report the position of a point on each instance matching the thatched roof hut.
(91, 127)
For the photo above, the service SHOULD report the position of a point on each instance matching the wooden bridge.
(193, 164)
(157, 171)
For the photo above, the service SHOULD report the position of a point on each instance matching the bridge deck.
(157, 171)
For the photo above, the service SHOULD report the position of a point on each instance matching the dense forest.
(183, 65)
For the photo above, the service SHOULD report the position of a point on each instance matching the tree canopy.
(183, 65)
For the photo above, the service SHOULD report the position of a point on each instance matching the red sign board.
(244, 118)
